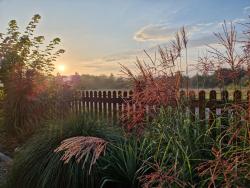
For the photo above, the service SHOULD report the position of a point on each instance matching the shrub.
(37, 165)
(25, 65)
(186, 153)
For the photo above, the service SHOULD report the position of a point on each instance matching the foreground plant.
(25, 66)
(156, 85)
(37, 165)
(81, 147)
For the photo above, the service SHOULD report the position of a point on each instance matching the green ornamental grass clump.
(40, 163)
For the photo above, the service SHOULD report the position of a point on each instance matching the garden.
(154, 136)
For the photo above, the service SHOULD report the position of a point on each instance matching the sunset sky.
(99, 34)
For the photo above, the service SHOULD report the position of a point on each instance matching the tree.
(25, 62)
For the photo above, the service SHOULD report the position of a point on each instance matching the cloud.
(246, 9)
(199, 34)
(155, 32)
(164, 32)
(108, 64)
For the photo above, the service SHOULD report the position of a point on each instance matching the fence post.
(202, 105)
(78, 99)
(100, 104)
(114, 107)
(83, 102)
(91, 103)
(192, 105)
(75, 103)
(212, 110)
(95, 103)
(87, 102)
(104, 96)
(120, 104)
(109, 106)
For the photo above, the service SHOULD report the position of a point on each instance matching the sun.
(61, 68)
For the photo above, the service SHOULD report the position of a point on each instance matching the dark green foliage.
(36, 165)
(123, 165)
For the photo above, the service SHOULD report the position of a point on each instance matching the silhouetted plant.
(24, 66)
(156, 84)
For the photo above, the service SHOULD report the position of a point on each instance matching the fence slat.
(87, 102)
(202, 105)
(114, 107)
(91, 103)
(120, 104)
(100, 104)
(212, 112)
(83, 103)
(192, 105)
(104, 96)
(109, 106)
(95, 102)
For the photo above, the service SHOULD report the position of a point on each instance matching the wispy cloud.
(155, 32)
(199, 34)
(164, 32)
(109, 64)
(246, 9)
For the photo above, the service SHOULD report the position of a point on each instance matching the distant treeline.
(86, 81)
(218, 79)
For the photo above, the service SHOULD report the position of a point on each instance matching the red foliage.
(156, 85)
(159, 178)
(151, 90)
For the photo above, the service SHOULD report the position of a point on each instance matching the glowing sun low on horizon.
(61, 68)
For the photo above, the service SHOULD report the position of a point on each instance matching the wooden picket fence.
(205, 105)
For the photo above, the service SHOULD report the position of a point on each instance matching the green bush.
(37, 165)
(183, 150)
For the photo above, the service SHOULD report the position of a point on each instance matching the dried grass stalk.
(82, 146)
